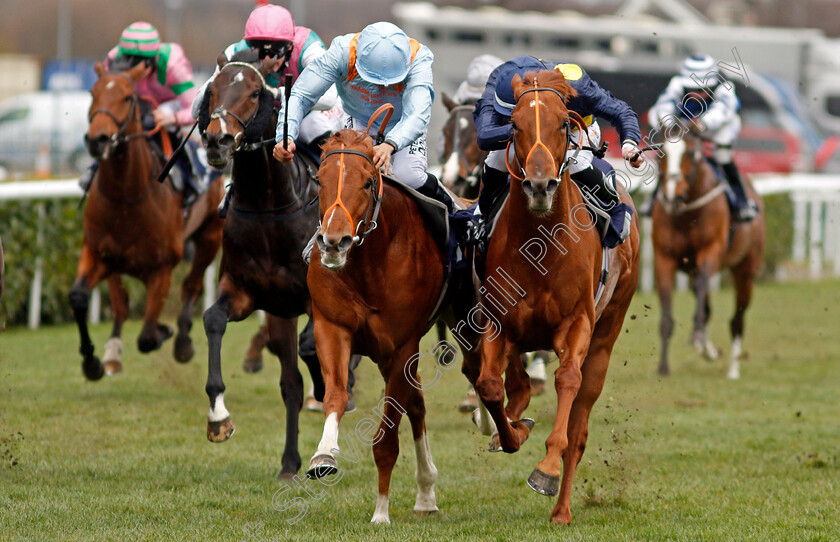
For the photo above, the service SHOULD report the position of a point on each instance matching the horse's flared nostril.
(528, 187)
(345, 243)
(551, 187)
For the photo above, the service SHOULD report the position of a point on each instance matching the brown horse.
(693, 231)
(272, 215)
(373, 295)
(558, 282)
(134, 225)
(462, 159)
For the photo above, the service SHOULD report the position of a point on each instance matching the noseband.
(567, 125)
(120, 136)
(374, 201)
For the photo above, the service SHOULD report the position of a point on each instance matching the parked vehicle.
(44, 132)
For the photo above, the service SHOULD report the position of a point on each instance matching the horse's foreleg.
(153, 333)
(426, 472)
(119, 305)
(282, 335)
(571, 347)
(386, 443)
(700, 338)
(253, 357)
(664, 270)
(744, 274)
(207, 241)
(231, 304)
(90, 271)
(495, 357)
(333, 344)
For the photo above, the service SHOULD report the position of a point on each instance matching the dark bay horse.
(693, 231)
(462, 159)
(273, 213)
(546, 248)
(136, 226)
(373, 295)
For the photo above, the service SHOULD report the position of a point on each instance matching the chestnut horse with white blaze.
(693, 231)
(558, 308)
(135, 225)
(375, 277)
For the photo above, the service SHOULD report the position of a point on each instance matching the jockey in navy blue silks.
(492, 120)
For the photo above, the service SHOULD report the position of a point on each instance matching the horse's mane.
(264, 116)
(550, 79)
(350, 139)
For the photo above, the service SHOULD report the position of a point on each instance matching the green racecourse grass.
(690, 457)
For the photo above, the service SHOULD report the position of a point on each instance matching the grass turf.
(689, 457)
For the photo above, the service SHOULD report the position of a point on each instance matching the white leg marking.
(329, 439)
(735, 365)
(426, 475)
(380, 514)
(537, 368)
(219, 412)
(483, 420)
(113, 350)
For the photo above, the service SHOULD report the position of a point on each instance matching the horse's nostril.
(527, 187)
(227, 140)
(552, 186)
(345, 243)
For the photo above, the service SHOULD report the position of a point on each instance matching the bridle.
(675, 207)
(221, 114)
(366, 225)
(567, 126)
(120, 136)
(473, 174)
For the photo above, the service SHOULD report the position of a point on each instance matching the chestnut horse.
(134, 225)
(375, 276)
(558, 282)
(693, 231)
(272, 214)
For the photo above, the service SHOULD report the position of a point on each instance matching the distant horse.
(556, 284)
(272, 214)
(693, 231)
(375, 277)
(134, 225)
(462, 159)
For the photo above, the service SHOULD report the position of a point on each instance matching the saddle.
(731, 198)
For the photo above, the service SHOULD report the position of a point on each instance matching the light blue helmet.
(383, 54)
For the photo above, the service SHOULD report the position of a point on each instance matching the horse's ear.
(99, 68)
(517, 85)
(266, 66)
(448, 102)
(221, 60)
(138, 72)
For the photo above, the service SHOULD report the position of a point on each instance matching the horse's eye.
(255, 94)
(513, 125)
(128, 98)
(369, 184)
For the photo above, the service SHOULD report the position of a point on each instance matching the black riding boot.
(433, 189)
(646, 208)
(594, 180)
(747, 209)
(493, 185)
(188, 179)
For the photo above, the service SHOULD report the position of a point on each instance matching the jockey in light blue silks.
(700, 96)
(376, 66)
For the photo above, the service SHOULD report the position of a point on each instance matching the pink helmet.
(270, 23)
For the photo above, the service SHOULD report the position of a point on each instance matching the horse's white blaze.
(735, 364)
(218, 412)
(110, 85)
(380, 513)
(329, 439)
(450, 169)
(238, 78)
(463, 123)
(675, 151)
(426, 475)
(113, 350)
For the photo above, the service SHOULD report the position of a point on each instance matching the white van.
(40, 123)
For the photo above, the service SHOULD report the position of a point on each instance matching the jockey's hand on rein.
(284, 155)
(382, 156)
(631, 153)
(163, 118)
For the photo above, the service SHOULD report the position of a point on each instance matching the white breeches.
(408, 165)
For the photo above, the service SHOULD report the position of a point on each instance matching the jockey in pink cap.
(271, 30)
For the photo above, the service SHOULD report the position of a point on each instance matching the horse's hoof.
(495, 443)
(93, 369)
(164, 332)
(543, 483)
(537, 386)
(220, 431)
(351, 404)
(252, 364)
(113, 367)
(313, 405)
(469, 403)
(425, 513)
(184, 349)
(322, 466)
(286, 476)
